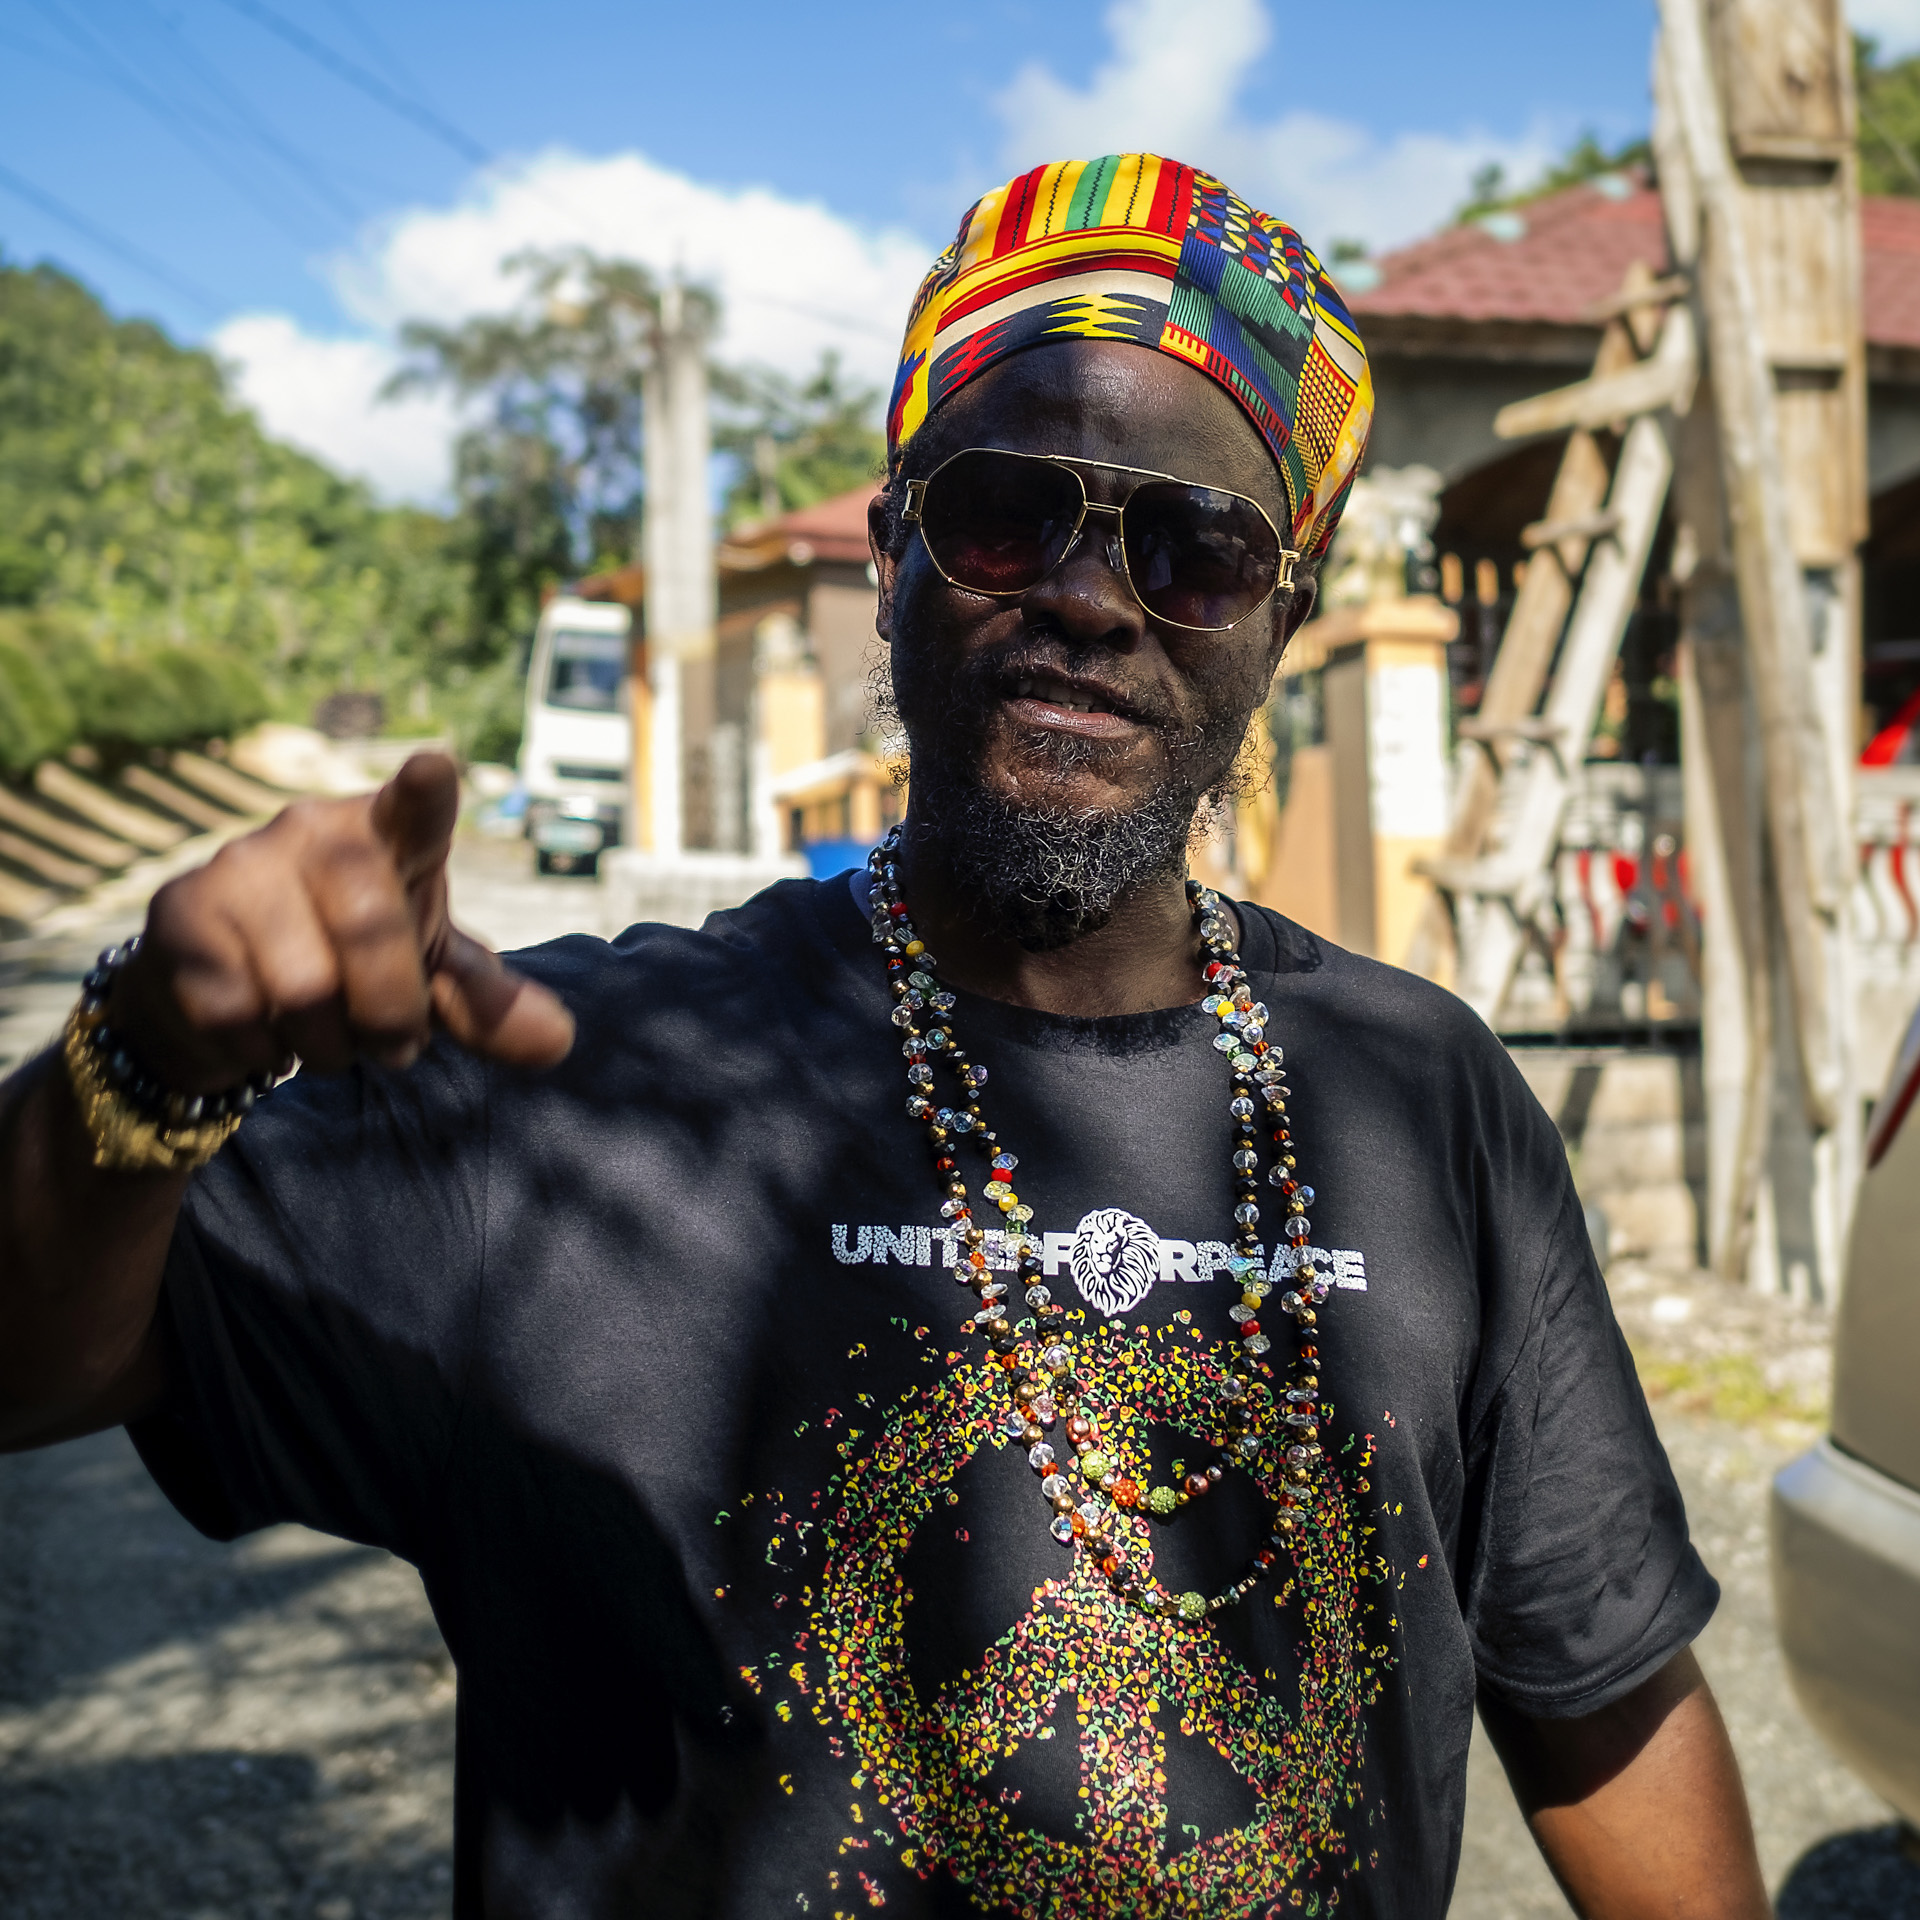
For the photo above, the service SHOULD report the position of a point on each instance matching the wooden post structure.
(1754, 140)
(1497, 895)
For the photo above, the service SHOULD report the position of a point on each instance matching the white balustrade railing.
(1617, 947)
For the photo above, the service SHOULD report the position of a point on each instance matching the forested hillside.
(167, 571)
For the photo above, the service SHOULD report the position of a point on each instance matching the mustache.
(985, 678)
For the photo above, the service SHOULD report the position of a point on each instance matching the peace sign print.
(1080, 1662)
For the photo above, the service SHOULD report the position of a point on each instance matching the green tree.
(551, 479)
(1888, 99)
(1887, 96)
(1587, 159)
(795, 441)
(146, 520)
(36, 718)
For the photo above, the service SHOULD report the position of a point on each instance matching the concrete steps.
(76, 829)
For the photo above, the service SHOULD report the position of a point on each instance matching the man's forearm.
(1639, 1808)
(81, 1256)
(321, 936)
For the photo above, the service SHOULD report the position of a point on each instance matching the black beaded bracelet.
(124, 1073)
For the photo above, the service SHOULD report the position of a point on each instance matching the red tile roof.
(1548, 261)
(833, 529)
(1890, 270)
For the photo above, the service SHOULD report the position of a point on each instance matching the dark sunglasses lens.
(996, 523)
(1199, 557)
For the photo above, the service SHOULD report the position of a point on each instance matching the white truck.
(576, 749)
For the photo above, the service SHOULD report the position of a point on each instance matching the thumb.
(415, 812)
(491, 1010)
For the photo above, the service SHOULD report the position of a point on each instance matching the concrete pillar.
(682, 591)
(1385, 695)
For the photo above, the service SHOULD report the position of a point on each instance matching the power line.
(463, 144)
(847, 320)
(164, 111)
(368, 83)
(383, 55)
(216, 83)
(108, 242)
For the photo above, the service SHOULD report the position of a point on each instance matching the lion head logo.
(1116, 1260)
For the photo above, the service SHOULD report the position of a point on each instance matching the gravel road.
(197, 1732)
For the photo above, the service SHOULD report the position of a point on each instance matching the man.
(1155, 1568)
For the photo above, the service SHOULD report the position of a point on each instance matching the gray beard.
(1043, 877)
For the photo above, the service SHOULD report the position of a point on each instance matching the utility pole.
(1753, 135)
(677, 552)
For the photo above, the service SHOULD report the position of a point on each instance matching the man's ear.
(1300, 606)
(884, 564)
(1291, 618)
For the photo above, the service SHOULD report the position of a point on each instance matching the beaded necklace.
(1092, 1494)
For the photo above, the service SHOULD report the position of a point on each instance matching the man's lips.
(1065, 704)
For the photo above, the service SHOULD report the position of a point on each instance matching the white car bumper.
(1846, 1582)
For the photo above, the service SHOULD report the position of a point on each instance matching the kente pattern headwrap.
(1134, 247)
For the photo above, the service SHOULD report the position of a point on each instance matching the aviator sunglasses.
(997, 523)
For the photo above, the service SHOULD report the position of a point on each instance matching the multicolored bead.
(1038, 1355)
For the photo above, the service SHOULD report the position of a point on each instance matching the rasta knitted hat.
(1135, 247)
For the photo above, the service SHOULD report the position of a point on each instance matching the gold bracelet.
(126, 1139)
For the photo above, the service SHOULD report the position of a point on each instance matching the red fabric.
(1884, 748)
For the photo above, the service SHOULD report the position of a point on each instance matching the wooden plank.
(175, 798)
(1583, 527)
(1520, 667)
(1814, 422)
(1630, 299)
(94, 803)
(48, 865)
(1519, 673)
(1522, 871)
(226, 785)
(1809, 866)
(1779, 66)
(64, 836)
(1474, 728)
(1666, 380)
(1720, 768)
(1797, 248)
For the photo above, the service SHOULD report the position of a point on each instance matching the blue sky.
(811, 155)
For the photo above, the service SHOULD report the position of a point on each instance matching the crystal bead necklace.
(1095, 1497)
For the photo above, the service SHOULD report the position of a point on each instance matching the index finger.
(415, 813)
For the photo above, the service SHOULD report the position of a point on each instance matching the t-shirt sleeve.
(319, 1306)
(1581, 1578)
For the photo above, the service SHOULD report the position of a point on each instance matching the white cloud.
(793, 276)
(1166, 90)
(323, 396)
(1895, 24)
(794, 279)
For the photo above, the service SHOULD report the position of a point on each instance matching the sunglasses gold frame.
(1070, 464)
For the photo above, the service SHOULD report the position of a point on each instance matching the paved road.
(191, 1731)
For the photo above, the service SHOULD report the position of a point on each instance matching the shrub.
(36, 718)
(163, 697)
(215, 695)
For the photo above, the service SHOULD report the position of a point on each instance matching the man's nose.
(1087, 593)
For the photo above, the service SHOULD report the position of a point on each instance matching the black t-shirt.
(654, 1366)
